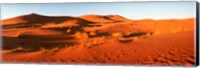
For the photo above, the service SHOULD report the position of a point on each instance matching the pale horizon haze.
(131, 10)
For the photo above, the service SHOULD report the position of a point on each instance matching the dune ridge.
(98, 39)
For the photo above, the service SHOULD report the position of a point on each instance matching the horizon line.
(97, 15)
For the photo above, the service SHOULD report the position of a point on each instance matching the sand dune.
(98, 39)
(103, 19)
(16, 20)
(36, 20)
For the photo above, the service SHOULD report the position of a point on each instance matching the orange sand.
(95, 39)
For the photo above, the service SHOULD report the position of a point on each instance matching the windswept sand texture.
(97, 39)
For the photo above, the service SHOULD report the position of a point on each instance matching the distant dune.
(103, 19)
(98, 39)
(40, 19)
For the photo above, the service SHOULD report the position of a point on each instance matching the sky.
(131, 10)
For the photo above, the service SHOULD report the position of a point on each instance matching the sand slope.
(115, 41)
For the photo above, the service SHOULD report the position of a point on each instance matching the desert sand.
(98, 39)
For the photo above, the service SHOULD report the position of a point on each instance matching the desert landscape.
(98, 39)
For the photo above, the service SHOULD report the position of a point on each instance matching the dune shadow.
(126, 40)
(135, 34)
(35, 42)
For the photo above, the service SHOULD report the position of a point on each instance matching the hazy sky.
(132, 10)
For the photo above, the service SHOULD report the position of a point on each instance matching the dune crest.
(103, 18)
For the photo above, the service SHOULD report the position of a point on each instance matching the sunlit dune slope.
(36, 20)
(103, 19)
(98, 39)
